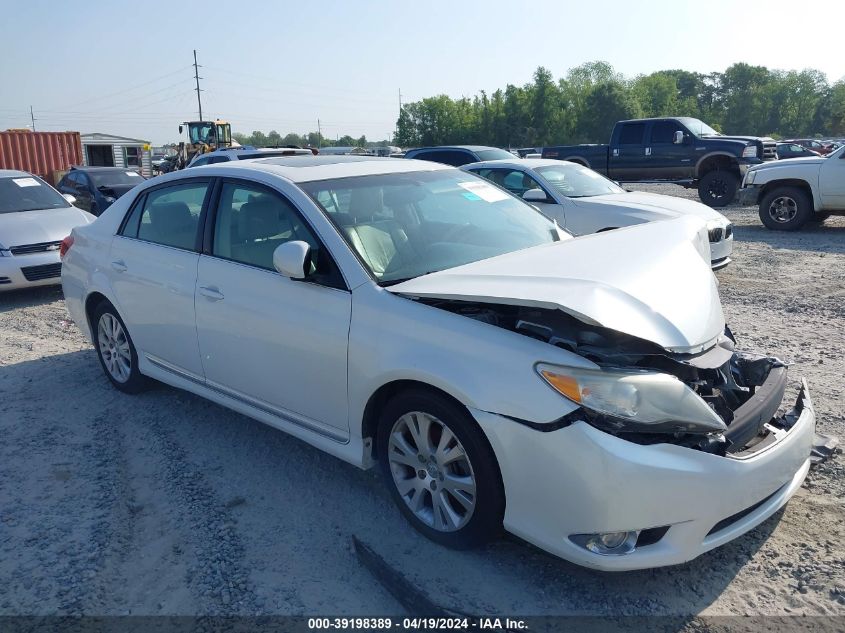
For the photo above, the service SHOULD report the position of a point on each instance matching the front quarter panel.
(481, 365)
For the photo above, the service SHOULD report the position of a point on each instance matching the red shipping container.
(40, 153)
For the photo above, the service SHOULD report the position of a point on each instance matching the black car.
(457, 155)
(95, 188)
(794, 150)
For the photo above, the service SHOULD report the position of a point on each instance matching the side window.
(663, 132)
(251, 222)
(435, 156)
(168, 216)
(218, 159)
(632, 134)
(457, 158)
(518, 182)
(201, 161)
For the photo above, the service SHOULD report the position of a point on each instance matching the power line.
(129, 89)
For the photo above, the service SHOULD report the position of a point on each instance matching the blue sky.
(124, 68)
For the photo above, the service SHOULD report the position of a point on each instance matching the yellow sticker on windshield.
(486, 192)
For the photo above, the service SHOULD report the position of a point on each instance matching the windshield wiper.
(393, 282)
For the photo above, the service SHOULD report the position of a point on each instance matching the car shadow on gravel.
(286, 532)
(29, 297)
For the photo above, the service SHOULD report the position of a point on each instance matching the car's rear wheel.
(115, 350)
(785, 209)
(718, 188)
(441, 470)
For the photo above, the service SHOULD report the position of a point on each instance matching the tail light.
(65, 246)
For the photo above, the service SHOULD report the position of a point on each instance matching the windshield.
(575, 181)
(28, 193)
(109, 177)
(410, 224)
(698, 128)
(494, 154)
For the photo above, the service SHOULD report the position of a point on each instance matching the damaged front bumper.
(580, 480)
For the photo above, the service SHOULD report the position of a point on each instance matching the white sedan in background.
(34, 218)
(583, 393)
(583, 201)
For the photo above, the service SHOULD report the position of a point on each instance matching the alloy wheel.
(114, 347)
(431, 471)
(783, 209)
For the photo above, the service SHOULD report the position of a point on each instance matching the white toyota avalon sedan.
(584, 394)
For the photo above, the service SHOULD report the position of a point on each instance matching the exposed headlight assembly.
(750, 151)
(634, 401)
(749, 176)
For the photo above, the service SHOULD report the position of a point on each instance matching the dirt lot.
(165, 503)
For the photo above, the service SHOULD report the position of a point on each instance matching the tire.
(464, 514)
(785, 209)
(718, 188)
(116, 350)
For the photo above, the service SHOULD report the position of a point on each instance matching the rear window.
(494, 154)
(28, 193)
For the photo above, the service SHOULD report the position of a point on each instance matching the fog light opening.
(608, 543)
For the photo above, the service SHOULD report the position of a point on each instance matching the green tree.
(606, 104)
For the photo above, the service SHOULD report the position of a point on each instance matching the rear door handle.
(119, 266)
(209, 292)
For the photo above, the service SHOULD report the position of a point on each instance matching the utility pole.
(319, 135)
(32, 116)
(197, 77)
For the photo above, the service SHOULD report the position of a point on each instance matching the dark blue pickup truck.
(680, 150)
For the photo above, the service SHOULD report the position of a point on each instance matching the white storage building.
(107, 150)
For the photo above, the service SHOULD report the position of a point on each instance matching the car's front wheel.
(441, 470)
(718, 188)
(785, 209)
(115, 350)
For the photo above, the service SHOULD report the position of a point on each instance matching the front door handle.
(210, 292)
(119, 266)
(648, 151)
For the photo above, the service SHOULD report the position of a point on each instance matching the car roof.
(518, 163)
(472, 148)
(309, 168)
(89, 168)
(14, 173)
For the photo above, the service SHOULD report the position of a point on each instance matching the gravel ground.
(164, 503)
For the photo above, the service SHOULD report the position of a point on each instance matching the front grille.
(37, 273)
(770, 151)
(41, 247)
(729, 230)
(715, 235)
(5, 280)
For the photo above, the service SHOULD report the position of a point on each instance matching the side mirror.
(71, 199)
(679, 138)
(180, 129)
(291, 259)
(535, 195)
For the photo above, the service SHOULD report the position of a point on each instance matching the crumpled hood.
(652, 281)
(655, 203)
(46, 225)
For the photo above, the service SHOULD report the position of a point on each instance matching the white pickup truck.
(795, 191)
